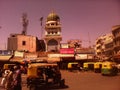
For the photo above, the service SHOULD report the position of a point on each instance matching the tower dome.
(53, 17)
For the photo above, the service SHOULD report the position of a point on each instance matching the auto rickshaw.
(40, 74)
(73, 66)
(8, 66)
(109, 68)
(88, 66)
(97, 67)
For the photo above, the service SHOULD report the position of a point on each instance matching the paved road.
(84, 81)
(91, 81)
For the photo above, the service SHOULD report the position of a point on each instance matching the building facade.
(109, 45)
(116, 40)
(104, 46)
(19, 42)
(52, 32)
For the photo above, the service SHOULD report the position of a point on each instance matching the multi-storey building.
(116, 40)
(108, 45)
(104, 46)
(99, 46)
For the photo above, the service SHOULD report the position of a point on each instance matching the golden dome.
(53, 17)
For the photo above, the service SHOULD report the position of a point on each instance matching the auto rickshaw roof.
(42, 64)
(108, 62)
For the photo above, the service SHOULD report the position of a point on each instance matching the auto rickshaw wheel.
(32, 87)
(62, 83)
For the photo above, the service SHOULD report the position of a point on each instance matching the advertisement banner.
(19, 54)
(53, 55)
(67, 50)
(53, 59)
(64, 45)
(90, 56)
(67, 55)
(81, 56)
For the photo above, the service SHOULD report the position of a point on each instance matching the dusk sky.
(80, 19)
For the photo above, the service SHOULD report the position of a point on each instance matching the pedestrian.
(17, 78)
(4, 79)
(9, 80)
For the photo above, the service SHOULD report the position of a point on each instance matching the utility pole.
(89, 40)
(41, 42)
(41, 24)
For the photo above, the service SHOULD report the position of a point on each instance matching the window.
(23, 42)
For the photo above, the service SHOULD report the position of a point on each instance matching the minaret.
(53, 32)
(24, 23)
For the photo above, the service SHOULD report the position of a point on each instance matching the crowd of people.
(12, 78)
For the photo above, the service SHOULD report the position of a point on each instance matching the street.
(83, 81)
(91, 81)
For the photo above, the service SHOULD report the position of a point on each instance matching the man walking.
(17, 78)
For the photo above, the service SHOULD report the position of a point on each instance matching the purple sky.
(81, 19)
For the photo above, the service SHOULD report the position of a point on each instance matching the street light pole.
(41, 24)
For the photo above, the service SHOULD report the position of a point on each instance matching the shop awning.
(53, 59)
(17, 59)
(5, 58)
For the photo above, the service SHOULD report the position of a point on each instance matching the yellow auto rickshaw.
(97, 67)
(109, 68)
(73, 66)
(88, 66)
(8, 66)
(43, 74)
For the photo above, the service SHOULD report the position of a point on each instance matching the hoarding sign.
(81, 56)
(67, 50)
(53, 59)
(67, 55)
(64, 45)
(90, 56)
(53, 55)
(5, 52)
(19, 54)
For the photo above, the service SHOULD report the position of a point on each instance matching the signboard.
(84, 56)
(64, 45)
(81, 56)
(53, 59)
(5, 52)
(2, 57)
(67, 55)
(84, 51)
(53, 55)
(31, 56)
(67, 50)
(19, 54)
(90, 56)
